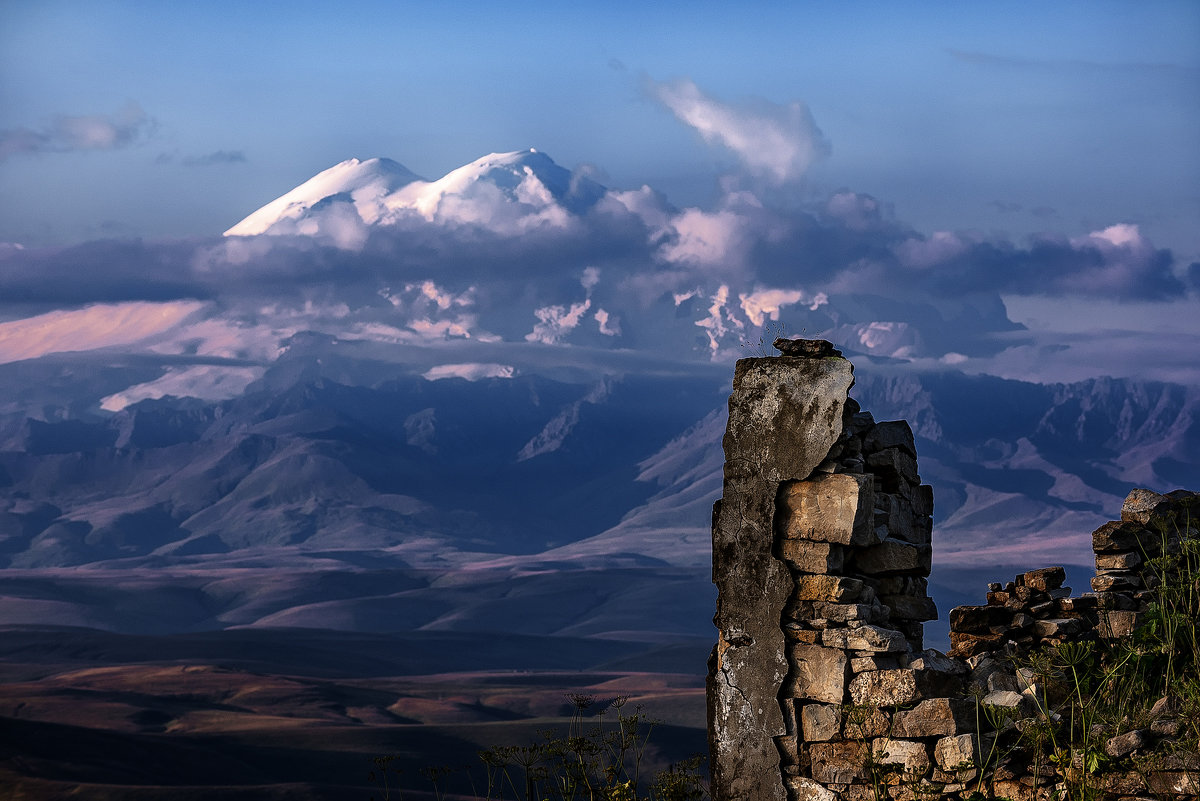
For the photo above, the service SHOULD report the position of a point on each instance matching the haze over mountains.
(493, 401)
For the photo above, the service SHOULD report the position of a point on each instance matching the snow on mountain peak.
(506, 192)
(365, 183)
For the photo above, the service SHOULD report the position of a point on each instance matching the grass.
(1087, 693)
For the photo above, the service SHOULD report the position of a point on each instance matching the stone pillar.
(785, 415)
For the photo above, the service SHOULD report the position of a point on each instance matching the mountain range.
(494, 401)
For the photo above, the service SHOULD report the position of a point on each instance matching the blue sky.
(1001, 117)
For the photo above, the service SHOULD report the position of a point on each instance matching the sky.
(135, 119)
(915, 180)
(1007, 188)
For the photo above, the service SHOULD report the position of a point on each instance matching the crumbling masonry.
(819, 683)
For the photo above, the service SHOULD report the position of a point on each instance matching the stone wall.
(819, 686)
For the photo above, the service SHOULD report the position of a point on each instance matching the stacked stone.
(1032, 611)
(818, 687)
(785, 416)
(855, 536)
(1128, 554)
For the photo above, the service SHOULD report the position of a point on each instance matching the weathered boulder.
(955, 752)
(892, 434)
(818, 674)
(894, 556)
(820, 722)
(935, 717)
(829, 508)
(1139, 506)
(829, 588)
(805, 397)
(910, 755)
(865, 638)
(1115, 537)
(838, 763)
(1045, 579)
(811, 557)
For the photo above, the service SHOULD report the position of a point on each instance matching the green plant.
(1087, 692)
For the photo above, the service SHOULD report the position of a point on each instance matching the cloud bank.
(67, 133)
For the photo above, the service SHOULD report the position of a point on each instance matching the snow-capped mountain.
(512, 374)
(365, 184)
(509, 192)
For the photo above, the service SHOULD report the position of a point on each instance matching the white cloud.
(471, 371)
(442, 329)
(591, 277)
(206, 382)
(609, 325)
(705, 237)
(766, 303)
(555, 322)
(924, 252)
(778, 141)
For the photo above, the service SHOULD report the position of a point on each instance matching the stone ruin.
(819, 682)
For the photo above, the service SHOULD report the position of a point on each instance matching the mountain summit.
(506, 192)
(364, 183)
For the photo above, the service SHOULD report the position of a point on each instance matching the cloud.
(766, 303)
(640, 277)
(555, 322)
(208, 382)
(97, 326)
(471, 371)
(779, 142)
(84, 132)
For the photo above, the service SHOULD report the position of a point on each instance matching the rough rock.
(830, 508)
(1139, 505)
(806, 348)
(951, 753)
(801, 788)
(819, 674)
(1045, 579)
(837, 589)
(911, 756)
(892, 434)
(1125, 744)
(865, 638)
(894, 556)
(1121, 536)
(811, 557)
(866, 723)
(820, 722)
(805, 397)
(838, 763)
(935, 717)
(885, 688)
